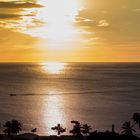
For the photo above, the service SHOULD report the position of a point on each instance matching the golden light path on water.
(52, 105)
(53, 112)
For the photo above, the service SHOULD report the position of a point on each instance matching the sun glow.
(56, 18)
(53, 67)
(55, 22)
(60, 10)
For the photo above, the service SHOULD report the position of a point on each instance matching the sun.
(58, 17)
(60, 10)
(55, 22)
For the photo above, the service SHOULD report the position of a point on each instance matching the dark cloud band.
(19, 5)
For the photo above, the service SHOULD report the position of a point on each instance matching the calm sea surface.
(100, 94)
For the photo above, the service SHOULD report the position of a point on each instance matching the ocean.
(41, 95)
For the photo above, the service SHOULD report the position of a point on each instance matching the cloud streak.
(9, 16)
(103, 23)
(19, 15)
(19, 5)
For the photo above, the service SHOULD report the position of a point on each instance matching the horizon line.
(71, 62)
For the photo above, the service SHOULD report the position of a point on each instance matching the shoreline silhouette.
(79, 131)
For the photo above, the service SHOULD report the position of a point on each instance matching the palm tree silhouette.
(76, 131)
(59, 129)
(127, 128)
(8, 126)
(12, 127)
(136, 118)
(86, 129)
(16, 127)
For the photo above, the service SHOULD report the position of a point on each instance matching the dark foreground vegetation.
(78, 132)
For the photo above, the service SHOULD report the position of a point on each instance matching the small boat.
(13, 95)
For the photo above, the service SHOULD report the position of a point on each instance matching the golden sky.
(70, 30)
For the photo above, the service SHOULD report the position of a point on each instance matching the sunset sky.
(70, 30)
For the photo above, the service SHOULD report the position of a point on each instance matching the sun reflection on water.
(53, 67)
(53, 111)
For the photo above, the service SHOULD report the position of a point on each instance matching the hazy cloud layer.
(14, 45)
(14, 9)
(119, 15)
(18, 15)
(116, 24)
